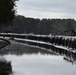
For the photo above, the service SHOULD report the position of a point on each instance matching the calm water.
(34, 61)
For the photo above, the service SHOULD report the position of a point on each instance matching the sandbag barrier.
(65, 41)
(61, 41)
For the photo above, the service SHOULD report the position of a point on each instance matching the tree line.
(45, 26)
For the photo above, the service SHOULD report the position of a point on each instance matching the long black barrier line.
(57, 40)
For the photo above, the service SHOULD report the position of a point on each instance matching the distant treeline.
(22, 24)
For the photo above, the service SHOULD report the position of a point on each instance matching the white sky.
(47, 8)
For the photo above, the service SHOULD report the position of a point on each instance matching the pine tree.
(7, 11)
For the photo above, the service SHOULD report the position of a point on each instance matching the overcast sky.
(47, 8)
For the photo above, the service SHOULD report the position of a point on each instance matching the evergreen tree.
(7, 11)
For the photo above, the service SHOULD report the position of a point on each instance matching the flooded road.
(26, 60)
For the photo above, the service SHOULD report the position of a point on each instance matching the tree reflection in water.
(21, 49)
(5, 67)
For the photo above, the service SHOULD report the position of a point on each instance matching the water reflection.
(5, 67)
(20, 49)
(68, 55)
(40, 65)
(34, 61)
